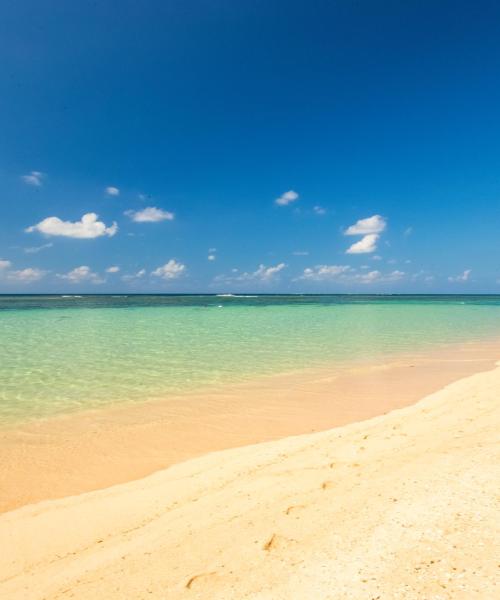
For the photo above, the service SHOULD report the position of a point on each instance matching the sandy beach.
(76, 453)
(404, 505)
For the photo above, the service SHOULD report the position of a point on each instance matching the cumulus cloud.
(170, 270)
(34, 178)
(150, 214)
(348, 275)
(112, 191)
(28, 275)
(319, 210)
(374, 224)
(113, 269)
(287, 198)
(211, 257)
(462, 278)
(36, 249)
(81, 274)
(324, 272)
(87, 228)
(378, 276)
(366, 245)
(262, 275)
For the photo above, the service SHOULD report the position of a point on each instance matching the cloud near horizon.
(87, 228)
(462, 278)
(324, 272)
(27, 275)
(134, 276)
(262, 274)
(81, 274)
(170, 270)
(347, 274)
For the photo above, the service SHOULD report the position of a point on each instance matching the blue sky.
(256, 133)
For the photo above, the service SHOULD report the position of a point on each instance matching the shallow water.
(65, 353)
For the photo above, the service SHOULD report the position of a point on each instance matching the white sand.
(401, 506)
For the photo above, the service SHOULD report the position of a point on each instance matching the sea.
(67, 353)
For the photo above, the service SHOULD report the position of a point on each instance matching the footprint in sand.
(199, 579)
(277, 542)
(294, 508)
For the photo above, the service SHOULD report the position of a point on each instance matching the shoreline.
(401, 505)
(73, 454)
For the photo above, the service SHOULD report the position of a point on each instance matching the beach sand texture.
(404, 505)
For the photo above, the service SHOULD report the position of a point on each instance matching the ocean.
(65, 353)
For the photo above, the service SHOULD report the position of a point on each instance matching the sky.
(267, 146)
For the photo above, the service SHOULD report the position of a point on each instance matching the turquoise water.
(61, 354)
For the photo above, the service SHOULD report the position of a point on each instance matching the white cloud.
(263, 275)
(366, 244)
(374, 224)
(348, 275)
(300, 253)
(378, 277)
(80, 274)
(150, 214)
(211, 257)
(35, 249)
(26, 275)
(287, 198)
(34, 178)
(324, 272)
(134, 276)
(87, 228)
(4, 264)
(170, 270)
(113, 269)
(408, 231)
(319, 210)
(465, 276)
(112, 191)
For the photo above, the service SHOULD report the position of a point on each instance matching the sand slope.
(401, 506)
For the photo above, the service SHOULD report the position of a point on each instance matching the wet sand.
(77, 453)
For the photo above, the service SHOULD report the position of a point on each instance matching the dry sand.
(404, 505)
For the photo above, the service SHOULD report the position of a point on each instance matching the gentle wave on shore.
(65, 353)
